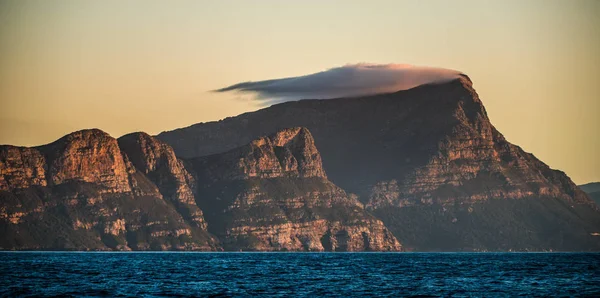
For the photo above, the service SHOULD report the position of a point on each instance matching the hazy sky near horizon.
(125, 66)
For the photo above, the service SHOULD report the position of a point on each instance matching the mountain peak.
(413, 153)
(89, 155)
(272, 194)
(282, 137)
(85, 181)
(289, 152)
(84, 134)
(158, 161)
(426, 162)
(295, 148)
(144, 151)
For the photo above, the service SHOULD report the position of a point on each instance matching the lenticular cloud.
(349, 80)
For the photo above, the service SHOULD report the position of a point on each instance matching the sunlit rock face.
(89, 156)
(273, 195)
(89, 191)
(423, 167)
(83, 193)
(21, 167)
(429, 163)
(158, 162)
(288, 153)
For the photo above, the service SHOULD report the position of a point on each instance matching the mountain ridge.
(86, 195)
(420, 152)
(95, 192)
(421, 169)
(274, 195)
(593, 190)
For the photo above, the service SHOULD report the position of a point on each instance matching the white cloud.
(344, 81)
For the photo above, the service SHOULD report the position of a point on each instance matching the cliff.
(83, 193)
(158, 162)
(89, 191)
(273, 194)
(429, 163)
(423, 167)
(287, 153)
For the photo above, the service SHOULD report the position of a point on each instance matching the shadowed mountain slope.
(593, 190)
(429, 163)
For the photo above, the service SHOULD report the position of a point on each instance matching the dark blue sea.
(298, 274)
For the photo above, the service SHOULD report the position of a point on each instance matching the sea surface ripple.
(298, 274)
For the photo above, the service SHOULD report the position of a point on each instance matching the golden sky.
(125, 66)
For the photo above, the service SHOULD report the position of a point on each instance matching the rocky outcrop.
(426, 162)
(287, 153)
(21, 167)
(89, 156)
(317, 235)
(474, 162)
(297, 154)
(420, 159)
(158, 162)
(273, 194)
(83, 193)
(88, 191)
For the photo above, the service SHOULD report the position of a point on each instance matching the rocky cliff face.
(82, 192)
(426, 162)
(21, 168)
(158, 162)
(273, 194)
(287, 153)
(430, 164)
(88, 156)
(473, 162)
(89, 191)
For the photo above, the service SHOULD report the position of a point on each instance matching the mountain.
(593, 190)
(158, 162)
(590, 187)
(83, 192)
(421, 169)
(89, 191)
(273, 194)
(428, 163)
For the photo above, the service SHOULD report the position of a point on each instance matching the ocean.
(156, 274)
